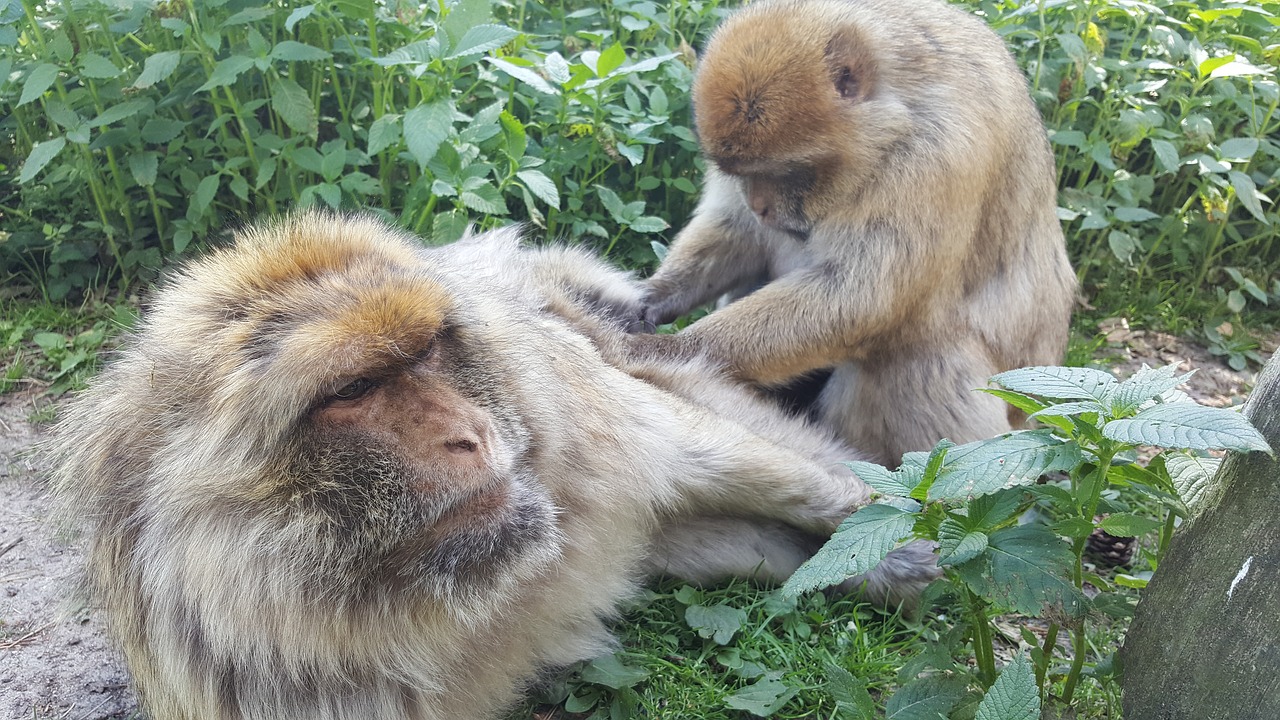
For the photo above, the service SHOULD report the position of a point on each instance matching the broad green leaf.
(248, 16)
(333, 163)
(1238, 148)
(1122, 245)
(226, 72)
(1026, 569)
(1187, 425)
(1129, 524)
(93, 65)
(294, 51)
(1069, 409)
(857, 546)
(764, 697)
(1133, 214)
(1014, 695)
(1191, 475)
(383, 133)
(1248, 195)
(1146, 384)
(481, 39)
(119, 112)
(1166, 155)
(484, 199)
(446, 227)
(524, 75)
(162, 130)
(38, 81)
(425, 127)
(648, 224)
(292, 103)
(853, 702)
(983, 467)
(1025, 403)
(718, 622)
(610, 671)
(612, 203)
(203, 196)
(611, 59)
(1060, 383)
(40, 155)
(556, 68)
(143, 166)
(298, 15)
(957, 545)
(541, 185)
(927, 698)
(880, 478)
(1074, 527)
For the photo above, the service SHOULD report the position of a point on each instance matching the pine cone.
(1107, 550)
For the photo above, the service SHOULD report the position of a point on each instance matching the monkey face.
(778, 201)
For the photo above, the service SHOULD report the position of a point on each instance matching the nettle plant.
(1012, 539)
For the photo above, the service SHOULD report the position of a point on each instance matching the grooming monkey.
(337, 476)
(877, 169)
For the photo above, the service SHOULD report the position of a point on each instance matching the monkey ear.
(851, 65)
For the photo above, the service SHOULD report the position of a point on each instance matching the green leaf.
(857, 546)
(541, 185)
(425, 127)
(1014, 695)
(853, 702)
(40, 155)
(1146, 384)
(957, 545)
(611, 59)
(1187, 425)
(119, 112)
(1074, 527)
(927, 698)
(1238, 148)
(524, 75)
(648, 224)
(226, 72)
(204, 194)
(764, 697)
(1026, 570)
(162, 130)
(143, 166)
(1060, 383)
(1248, 195)
(485, 199)
(38, 81)
(1070, 409)
(1192, 476)
(481, 39)
(986, 466)
(1166, 155)
(383, 133)
(158, 68)
(447, 227)
(718, 622)
(610, 671)
(514, 133)
(1025, 403)
(294, 51)
(612, 203)
(292, 103)
(97, 67)
(1133, 214)
(880, 478)
(298, 15)
(1129, 524)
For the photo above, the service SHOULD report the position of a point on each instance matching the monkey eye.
(354, 389)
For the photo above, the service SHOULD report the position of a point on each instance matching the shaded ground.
(55, 661)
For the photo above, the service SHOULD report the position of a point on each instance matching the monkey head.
(791, 99)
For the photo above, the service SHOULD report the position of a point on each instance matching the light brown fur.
(337, 476)
(877, 169)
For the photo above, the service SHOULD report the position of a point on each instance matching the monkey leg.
(909, 401)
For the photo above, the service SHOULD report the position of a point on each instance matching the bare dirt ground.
(56, 661)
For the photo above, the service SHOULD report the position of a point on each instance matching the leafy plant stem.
(983, 652)
(1046, 655)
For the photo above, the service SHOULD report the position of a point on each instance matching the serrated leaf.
(1192, 476)
(612, 203)
(120, 111)
(294, 51)
(857, 546)
(143, 167)
(926, 698)
(1068, 409)
(957, 545)
(40, 155)
(157, 68)
(1147, 384)
(1074, 527)
(1013, 696)
(292, 103)
(93, 65)
(610, 671)
(162, 130)
(1166, 155)
(203, 196)
(718, 622)
(425, 127)
(481, 39)
(1247, 194)
(611, 58)
(1059, 383)
(1025, 403)
(1129, 524)
(1025, 570)
(298, 15)
(226, 72)
(1238, 148)
(38, 81)
(880, 478)
(383, 133)
(541, 185)
(764, 697)
(1133, 214)
(448, 227)
(648, 224)
(853, 702)
(484, 199)
(524, 75)
(556, 68)
(986, 466)
(1187, 426)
